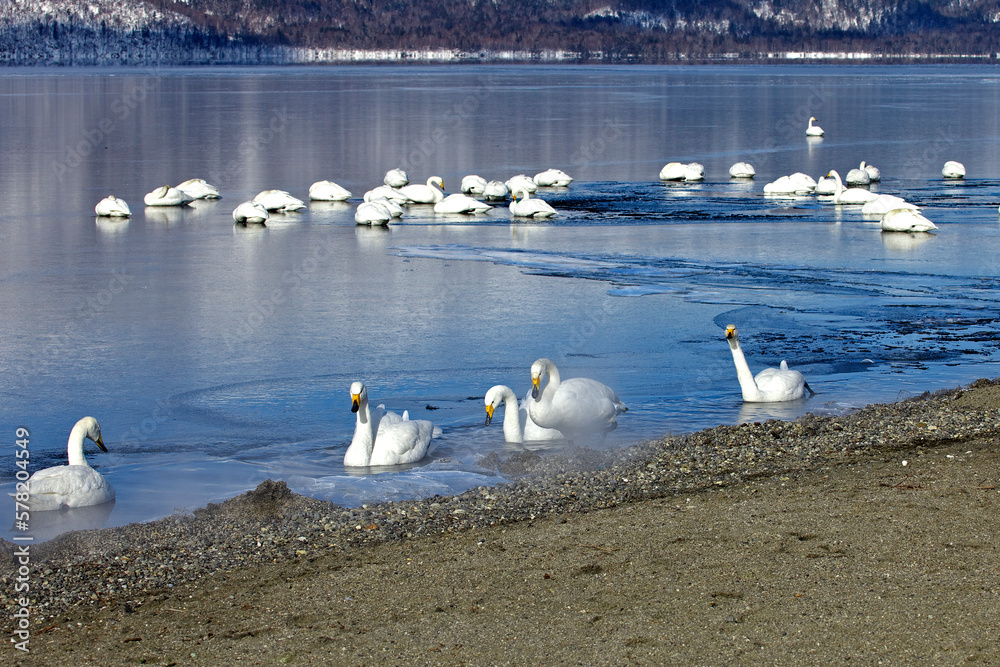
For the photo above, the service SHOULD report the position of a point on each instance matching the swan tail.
(784, 365)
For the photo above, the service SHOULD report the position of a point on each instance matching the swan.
(328, 191)
(76, 484)
(496, 191)
(850, 195)
(742, 170)
(825, 186)
(431, 193)
(199, 188)
(529, 207)
(250, 213)
(858, 176)
(794, 184)
(575, 406)
(675, 171)
(167, 196)
(517, 425)
(905, 220)
(386, 192)
(814, 130)
(953, 169)
(521, 182)
(384, 438)
(396, 178)
(885, 203)
(113, 207)
(771, 385)
(279, 201)
(473, 184)
(459, 203)
(373, 213)
(553, 178)
(874, 175)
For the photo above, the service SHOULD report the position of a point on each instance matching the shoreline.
(116, 575)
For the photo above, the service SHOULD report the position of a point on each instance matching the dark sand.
(856, 560)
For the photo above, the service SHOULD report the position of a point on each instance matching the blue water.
(216, 356)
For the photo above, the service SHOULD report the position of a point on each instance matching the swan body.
(473, 184)
(167, 196)
(905, 220)
(76, 484)
(825, 186)
(521, 182)
(199, 188)
(675, 171)
(431, 193)
(953, 169)
(249, 213)
(496, 191)
(373, 213)
(844, 195)
(742, 170)
(459, 203)
(386, 192)
(874, 175)
(279, 201)
(794, 184)
(396, 178)
(517, 424)
(814, 130)
(771, 385)
(553, 178)
(858, 176)
(885, 203)
(529, 207)
(577, 406)
(328, 191)
(385, 438)
(112, 207)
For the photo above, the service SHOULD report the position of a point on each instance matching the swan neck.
(360, 451)
(74, 448)
(747, 384)
(511, 418)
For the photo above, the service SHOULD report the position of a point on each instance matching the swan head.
(493, 398)
(538, 369)
(359, 394)
(733, 336)
(92, 431)
(436, 180)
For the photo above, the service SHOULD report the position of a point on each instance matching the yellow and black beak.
(489, 414)
(536, 384)
(355, 402)
(100, 443)
(730, 332)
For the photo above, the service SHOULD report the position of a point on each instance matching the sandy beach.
(868, 538)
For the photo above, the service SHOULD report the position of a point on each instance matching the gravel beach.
(869, 538)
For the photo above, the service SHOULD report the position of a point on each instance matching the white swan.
(473, 184)
(250, 213)
(373, 213)
(279, 201)
(384, 438)
(386, 192)
(825, 186)
(431, 193)
(553, 178)
(844, 195)
(76, 484)
(814, 130)
(396, 178)
(112, 207)
(771, 385)
(885, 203)
(742, 170)
(953, 169)
(858, 176)
(328, 191)
(794, 184)
(167, 196)
(521, 182)
(517, 424)
(905, 220)
(530, 207)
(199, 188)
(459, 203)
(675, 171)
(874, 175)
(577, 406)
(496, 191)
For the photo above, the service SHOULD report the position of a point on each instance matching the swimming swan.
(279, 201)
(771, 385)
(167, 196)
(905, 220)
(517, 425)
(577, 406)
(529, 207)
(814, 130)
(112, 207)
(199, 188)
(431, 193)
(249, 213)
(459, 203)
(553, 178)
(953, 169)
(844, 195)
(384, 438)
(76, 484)
(328, 191)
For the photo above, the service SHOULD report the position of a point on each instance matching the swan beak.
(730, 332)
(100, 443)
(535, 387)
(355, 402)
(489, 414)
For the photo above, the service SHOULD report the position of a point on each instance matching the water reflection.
(904, 241)
(48, 524)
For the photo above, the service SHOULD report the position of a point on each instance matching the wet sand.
(823, 549)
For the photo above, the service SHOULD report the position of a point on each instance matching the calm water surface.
(216, 357)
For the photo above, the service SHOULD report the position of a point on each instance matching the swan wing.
(780, 384)
(402, 440)
(578, 405)
(68, 486)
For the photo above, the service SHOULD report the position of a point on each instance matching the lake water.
(216, 356)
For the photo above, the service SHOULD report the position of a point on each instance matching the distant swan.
(742, 170)
(577, 406)
(431, 193)
(384, 438)
(249, 213)
(675, 171)
(112, 207)
(794, 184)
(858, 176)
(496, 191)
(279, 201)
(328, 191)
(771, 385)
(396, 178)
(521, 182)
(76, 484)
(473, 184)
(529, 207)
(199, 188)
(517, 425)
(874, 175)
(814, 130)
(885, 203)
(953, 169)
(459, 203)
(553, 178)
(905, 220)
(167, 196)
(386, 192)
(844, 195)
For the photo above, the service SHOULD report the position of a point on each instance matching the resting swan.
(553, 178)
(167, 196)
(742, 170)
(885, 203)
(578, 406)
(373, 213)
(199, 188)
(459, 203)
(384, 438)
(76, 484)
(473, 184)
(844, 195)
(953, 169)
(517, 424)
(814, 130)
(431, 193)
(112, 207)
(250, 213)
(528, 207)
(905, 220)
(396, 178)
(771, 385)
(328, 191)
(496, 191)
(279, 201)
